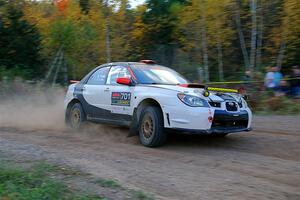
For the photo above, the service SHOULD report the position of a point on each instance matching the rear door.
(95, 94)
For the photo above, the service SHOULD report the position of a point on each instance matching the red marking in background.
(61, 4)
(242, 90)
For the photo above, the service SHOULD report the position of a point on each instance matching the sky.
(135, 3)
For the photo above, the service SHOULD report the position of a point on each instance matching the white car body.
(99, 105)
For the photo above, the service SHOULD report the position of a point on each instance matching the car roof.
(125, 63)
(111, 64)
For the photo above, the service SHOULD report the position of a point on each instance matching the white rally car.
(150, 99)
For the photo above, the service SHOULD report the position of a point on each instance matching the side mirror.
(124, 81)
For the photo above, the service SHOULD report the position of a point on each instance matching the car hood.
(214, 96)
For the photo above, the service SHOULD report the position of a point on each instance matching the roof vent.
(148, 61)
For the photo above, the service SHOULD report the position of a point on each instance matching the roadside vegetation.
(261, 102)
(39, 180)
(217, 39)
(36, 183)
(280, 105)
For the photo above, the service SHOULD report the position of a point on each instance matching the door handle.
(83, 89)
(106, 90)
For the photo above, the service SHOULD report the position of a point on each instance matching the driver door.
(120, 95)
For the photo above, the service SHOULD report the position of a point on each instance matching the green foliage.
(140, 195)
(277, 105)
(160, 21)
(34, 183)
(169, 31)
(84, 5)
(108, 183)
(20, 42)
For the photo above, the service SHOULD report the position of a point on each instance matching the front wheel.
(76, 116)
(151, 128)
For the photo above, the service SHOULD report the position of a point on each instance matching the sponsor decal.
(120, 98)
(120, 110)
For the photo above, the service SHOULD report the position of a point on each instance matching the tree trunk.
(281, 54)
(241, 35)
(65, 71)
(260, 37)
(220, 59)
(107, 33)
(197, 43)
(253, 5)
(204, 43)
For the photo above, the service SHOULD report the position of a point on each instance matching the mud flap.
(133, 129)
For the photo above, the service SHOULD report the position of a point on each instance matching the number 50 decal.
(120, 98)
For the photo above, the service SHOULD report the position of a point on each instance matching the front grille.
(215, 104)
(230, 124)
(222, 119)
(231, 106)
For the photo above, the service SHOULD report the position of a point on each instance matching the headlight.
(192, 100)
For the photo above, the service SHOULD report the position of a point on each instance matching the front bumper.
(224, 122)
(212, 131)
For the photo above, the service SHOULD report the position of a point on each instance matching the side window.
(117, 72)
(98, 77)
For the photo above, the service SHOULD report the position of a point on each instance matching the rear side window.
(117, 72)
(98, 77)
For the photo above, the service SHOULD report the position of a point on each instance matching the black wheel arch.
(68, 109)
(137, 112)
(144, 103)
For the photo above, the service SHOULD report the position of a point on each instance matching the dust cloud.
(31, 106)
(34, 107)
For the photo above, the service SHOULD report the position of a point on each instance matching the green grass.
(109, 183)
(24, 179)
(140, 195)
(136, 194)
(35, 183)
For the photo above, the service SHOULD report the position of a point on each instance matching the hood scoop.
(192, 85)
(225, 97)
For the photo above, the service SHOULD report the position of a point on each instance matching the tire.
(151, 128)
(76, 117)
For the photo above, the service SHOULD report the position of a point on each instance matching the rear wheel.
(76, 116)
(151, 129)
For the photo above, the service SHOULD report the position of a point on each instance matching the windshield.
(155, 74)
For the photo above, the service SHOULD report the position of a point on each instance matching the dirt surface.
(262, 164)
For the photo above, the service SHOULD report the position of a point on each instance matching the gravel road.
(262, 164)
